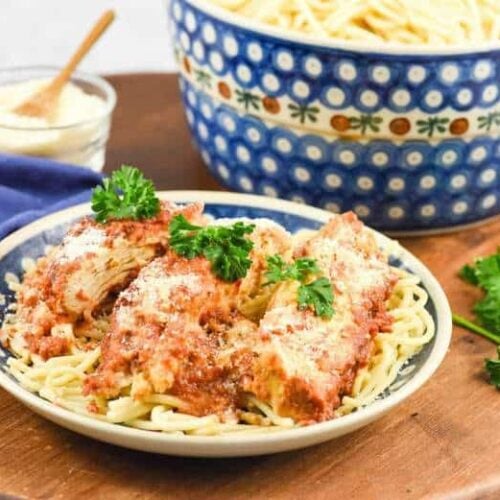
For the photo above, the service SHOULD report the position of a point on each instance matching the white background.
(36, 32)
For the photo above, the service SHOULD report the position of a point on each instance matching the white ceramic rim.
(227, 445)
(106, 87)
(387, 48)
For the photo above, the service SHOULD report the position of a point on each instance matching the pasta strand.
(442, 22)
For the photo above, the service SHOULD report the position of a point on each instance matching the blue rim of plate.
(31, 240)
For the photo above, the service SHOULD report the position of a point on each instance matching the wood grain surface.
(444, 442)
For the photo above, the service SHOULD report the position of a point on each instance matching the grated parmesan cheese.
(89, 241)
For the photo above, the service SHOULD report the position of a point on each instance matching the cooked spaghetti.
(167, 346)
(414, 22)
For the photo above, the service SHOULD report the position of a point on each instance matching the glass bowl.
(80, 142)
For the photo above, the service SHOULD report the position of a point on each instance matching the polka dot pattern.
(409, 185)
(336, 78)
(437, 178)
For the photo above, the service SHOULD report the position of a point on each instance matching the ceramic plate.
(31, 241)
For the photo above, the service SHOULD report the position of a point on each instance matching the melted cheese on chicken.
(161, 337)
(304, 364)
(74, 282)
(177, 329)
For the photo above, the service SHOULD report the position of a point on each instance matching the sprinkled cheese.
(155, 293)
(163, 286)
(260, 223)
(348, 267)
(91, 240)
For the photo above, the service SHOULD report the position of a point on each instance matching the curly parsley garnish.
(226, 247)
(278, 270)
(125, 195)
(316, 294)
(485, 274)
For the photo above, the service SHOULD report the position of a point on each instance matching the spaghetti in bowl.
(404, 135)
(269, 431)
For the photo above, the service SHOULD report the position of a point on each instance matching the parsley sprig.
(226, 247)
(316, 294)
(485, 274)
(127, 194)
(493, 368)
(278, 270)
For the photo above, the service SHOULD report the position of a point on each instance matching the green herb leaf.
(184, 237)
(304, 267)
(493, 368)
(485, 273)
(126, 195)
(318, 295)
(488, 311)
(226, 247)
(275, 269)
(468, 273)
(278, 270)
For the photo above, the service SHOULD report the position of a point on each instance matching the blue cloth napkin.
(33, 187)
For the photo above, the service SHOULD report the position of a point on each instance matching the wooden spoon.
(41, 104)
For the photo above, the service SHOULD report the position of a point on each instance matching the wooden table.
(443, 442)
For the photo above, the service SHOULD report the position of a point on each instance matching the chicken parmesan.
(305, 364)
(175, 322)
(70, 291)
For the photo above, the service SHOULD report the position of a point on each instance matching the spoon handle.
(65, 74)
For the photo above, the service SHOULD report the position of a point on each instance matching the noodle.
(413, 327)
(60, 379)
(442, 22)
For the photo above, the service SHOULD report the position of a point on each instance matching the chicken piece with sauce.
(305, 364)
(79, 279)
(178, 329)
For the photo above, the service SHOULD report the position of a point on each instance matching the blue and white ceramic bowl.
(408, 140)
(31, 241)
